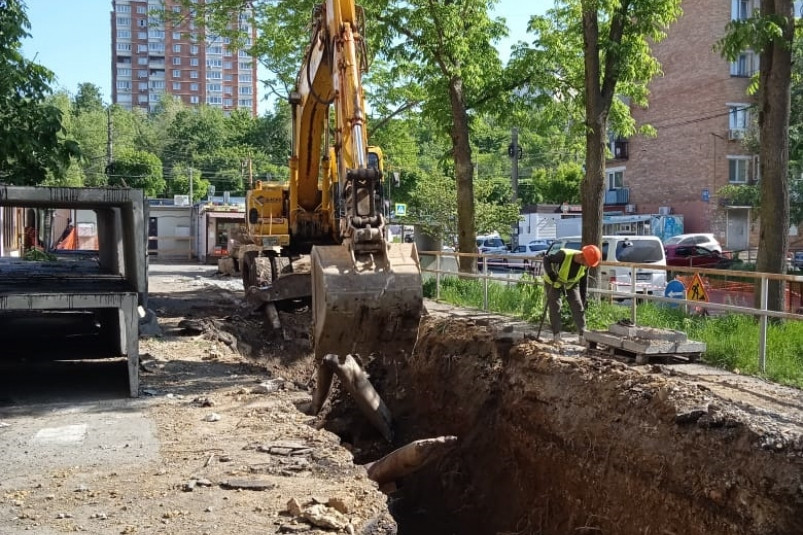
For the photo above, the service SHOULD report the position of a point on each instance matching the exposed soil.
(548, 442)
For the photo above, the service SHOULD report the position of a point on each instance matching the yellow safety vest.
(563, 271)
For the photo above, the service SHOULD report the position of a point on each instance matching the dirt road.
(215, 444)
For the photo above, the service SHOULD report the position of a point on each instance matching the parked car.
(525, 256)
(491, 244)
(797, 260)
(631, 249)
(706, 240)
(695, 256)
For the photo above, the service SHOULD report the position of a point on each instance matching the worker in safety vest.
(565, 272)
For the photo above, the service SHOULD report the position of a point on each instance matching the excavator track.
(365, 303)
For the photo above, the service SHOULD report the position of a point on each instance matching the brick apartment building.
(151, 57)
(702, 112)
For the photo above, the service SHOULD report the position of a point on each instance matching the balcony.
(617, 196)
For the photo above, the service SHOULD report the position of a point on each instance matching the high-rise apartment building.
(152, 55)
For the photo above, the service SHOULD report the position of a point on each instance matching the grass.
(731, 340)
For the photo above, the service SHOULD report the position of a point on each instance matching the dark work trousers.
(553, 299)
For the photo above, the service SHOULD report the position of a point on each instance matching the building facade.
(702, 113)
(151, 55)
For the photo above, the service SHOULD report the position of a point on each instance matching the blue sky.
(72, 38)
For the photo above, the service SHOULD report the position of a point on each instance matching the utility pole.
(109, 153)
(250, 174)
(190, 185)
(514, 151)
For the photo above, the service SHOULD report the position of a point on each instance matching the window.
(228, 90)
(228, 102)
(193, 74)
(142, 48)
(142, 23)
(176, 73)
(245, 102)
(157, 84)
(193, 87)
(142, 86)
(142, 61)
(142, 98)
(176, 36)
(245, 77)
(124, 34)
(142, 74)
(228, 65)
(737, 169)
(123, 72)
(123, 9)
(156, 47)
(229, 77)
(214, 63)
(738, 116)
(124, 84)
(176, 86)
(176, 61)
(216, 88)
(177, 49)
(142, 35)
(214, 50)
(194, 99)
(616, 177)
(124, 21)
(214, 100)
(245, 65)
(156, 34)
(142, 10)
(124, 97)
(124, 47)
(214, 75)
(194, 62)
(745, 65)
(193, 49)
(741, 9)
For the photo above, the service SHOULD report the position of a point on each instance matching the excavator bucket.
(365, 304)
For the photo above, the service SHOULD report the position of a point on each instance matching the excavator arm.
(366, 293)
(334, 192)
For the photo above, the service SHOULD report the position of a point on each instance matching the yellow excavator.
(323, 234)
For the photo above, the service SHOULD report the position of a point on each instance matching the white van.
(630, 249)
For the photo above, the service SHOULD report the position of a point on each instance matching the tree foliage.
(31, 145)
(137, 169)
(597, 53)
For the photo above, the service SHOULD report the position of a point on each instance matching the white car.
(526, 256)
(700, 239)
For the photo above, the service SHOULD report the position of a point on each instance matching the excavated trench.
(554, 443)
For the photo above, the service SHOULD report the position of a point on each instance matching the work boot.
(556, 338)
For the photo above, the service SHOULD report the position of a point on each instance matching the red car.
(696, 256)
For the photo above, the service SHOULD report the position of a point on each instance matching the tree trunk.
(464, 171)
(773, 121)
(593, 185)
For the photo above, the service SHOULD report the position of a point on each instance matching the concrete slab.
(42, 438)
(647, 333)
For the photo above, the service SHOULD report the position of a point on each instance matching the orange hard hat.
(591, 255)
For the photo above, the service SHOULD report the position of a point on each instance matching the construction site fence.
(727, 291)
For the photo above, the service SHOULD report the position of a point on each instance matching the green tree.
(137, 169)
(88, 98)
(31, 146)
(770, 31)
(599, 50)
(179, 183)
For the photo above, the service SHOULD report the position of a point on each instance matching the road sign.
(675, 290)
(696, 290)
(401, 209)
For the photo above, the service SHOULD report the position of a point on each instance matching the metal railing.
(634, 290)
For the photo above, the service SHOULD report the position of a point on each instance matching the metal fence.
(733, 291)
